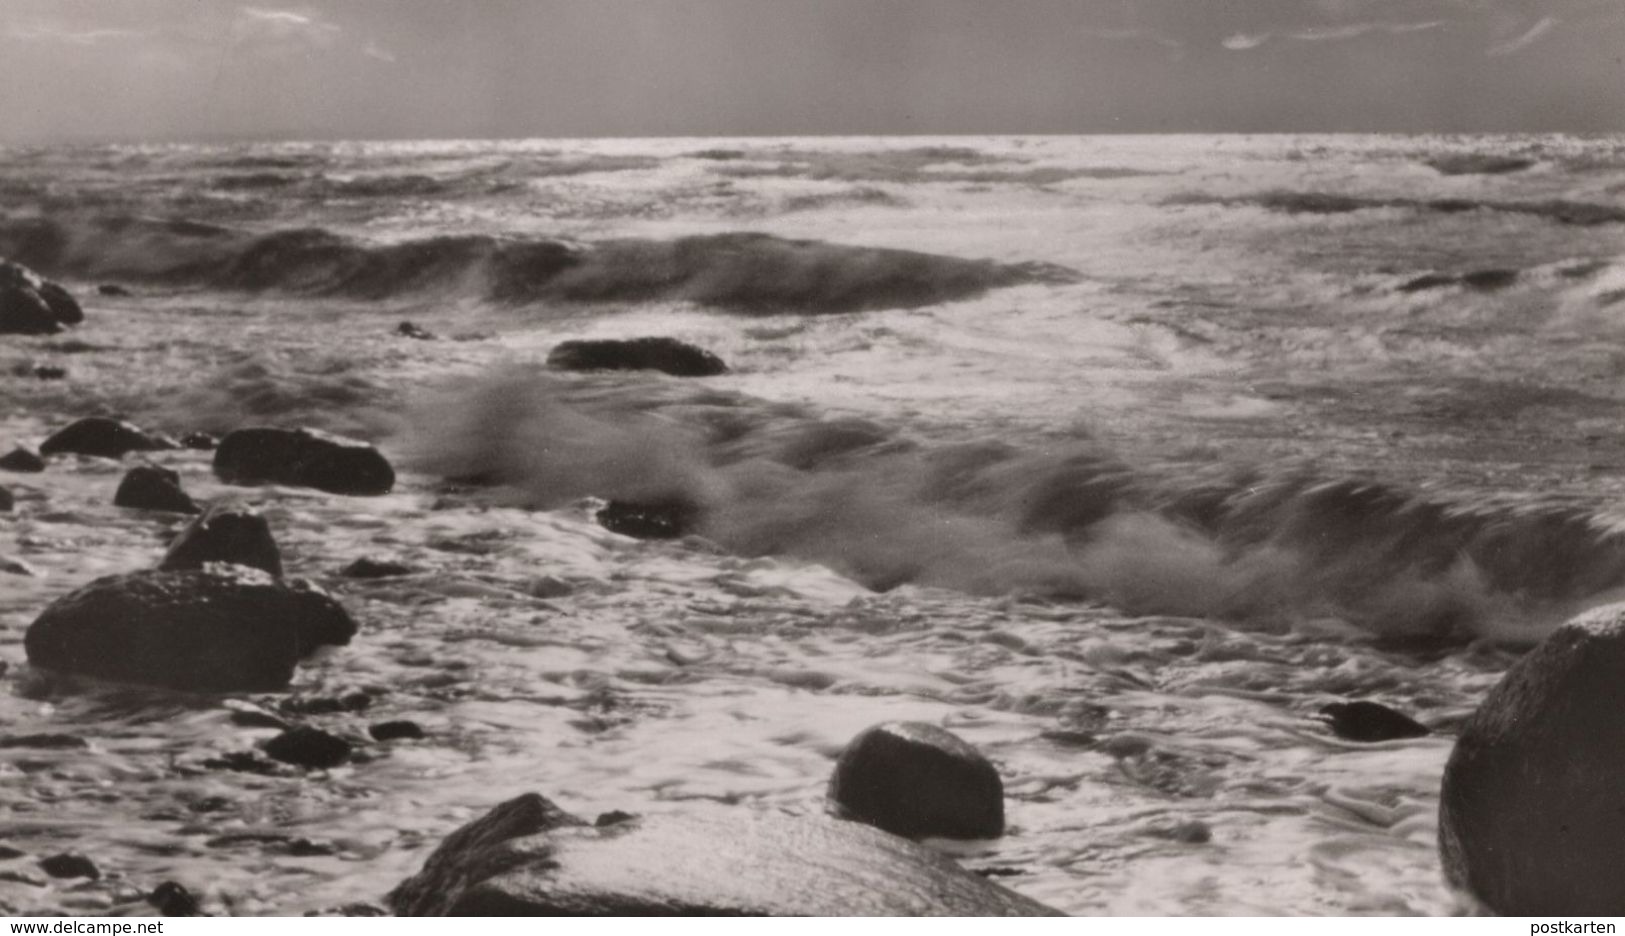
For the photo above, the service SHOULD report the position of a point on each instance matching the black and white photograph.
(831, 458)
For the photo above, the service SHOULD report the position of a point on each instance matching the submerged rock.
(529, 858)
(666, 355)
(224, 629)
(1370, 722)
(365, 568)
(70, 865)
(917, 780)
(112, 289)
(411, 330)
(64, 308)
(172, 899)
(664, 519)
(303, 458)
(102, 437)
(228, 532)
(24, 312)
(1530, 817)
(7, 501)
(305, 746)
(148, 487)
(22, 461)
(396, 731)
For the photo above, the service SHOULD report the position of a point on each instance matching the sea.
(1117, 456)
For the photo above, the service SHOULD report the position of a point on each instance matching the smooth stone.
(226, 532)
(172, 899)
(918, 780)
(64, 308)
(11, 566)
(1369, 722)
(303, 458)
(7, 500)
(666, 355)
(305, 746)
(148, 487)
(70, 865)
(44, 742)
(527, 857)
(373, 569)
(224, 629)
(396, 731)
(22, 461)
(100, 436)
(649, 520)
(23, 311)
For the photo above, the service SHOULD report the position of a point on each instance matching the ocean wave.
(1583, 214)
(1268, 549)
(744, 272)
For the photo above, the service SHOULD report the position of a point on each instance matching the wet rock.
(303, 458)
(613, 817)
(64, 308)
(10, 566)
(46, 742)
(200, 441)
(227, 532)
(100, 436)
(1370, 722)
(372, 569)
(1529, 812)
(396, 731)
(113, 290)
(527, 857)
(7, 501)
(172, 899)
(22, 461)
(7, 852)
(1489, 280)
(40, 371)
(24, 312)
(148, 487)
(1194, 832)
(917, 780)
(224, 629)
(410, 330)
(305, 746)
(1427, 281)
(70, 865)
(666, 355)
(650, 520)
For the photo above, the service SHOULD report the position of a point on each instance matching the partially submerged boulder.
(669, 518)
(149, 487)
(224, 629)
(527, 857)
(22, 461)
(666, 355)
(1531, 813)
(917, 780)
(1370, 722)
(102, 437)
(228, 532)
(303, 458)
(33, 305)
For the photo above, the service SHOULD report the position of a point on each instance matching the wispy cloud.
(373, 50)
(1136, 35)
(1241, 42)
(1528, 38)
(46, 32)
(274, 29)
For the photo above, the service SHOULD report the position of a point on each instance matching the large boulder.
(31, 304)
(224, 629)
(303, 458)
(529, 858)
(149, 487)
(102, 437)
(666, 355)
(21, 460)
(1532, 809)
(227, 532)
(919, 781)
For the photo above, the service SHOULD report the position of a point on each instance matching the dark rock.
(1489, 280)
(64, 308)
(11, 566)
(372, 569)
(227, 532)
(48, 742)
(225, 629)
(1427, 281)
(50, 372)
(527, 857)
(202, 441)
(613, 817)
(396, 731)
(148, 487)
(1194, 832)
(22, 461)
(70, 865)
(100, 436)
(666, 355)
(303, 458)
(172, 899)
(7, 500)
(305, 746)
(24, 312)
(1530, 818)
(917, 780)
(1370, 722)
(7, 852)
(113, 289)
(663, 519)
(409, 330)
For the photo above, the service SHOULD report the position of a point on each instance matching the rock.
(22, 461)
(305, 746)
(372, 569)
(44, 742)
(7, 852)
(1427, 281)
(1530, 817)
(1489, 280)
(663, 519)
(228, 532)
(201, 441)
(100, 436)
(303, 458)
(64, 308)
(224, 629)
(396, 731)
(1193, 832)
(70, 865)
(113, 289)
(148, 487)
(50, 372)
(409, 330)
(666, 355)
(917, 780)
(1369, 722)
(7, 501)
(527, 858)
(11, 566)
(171, 899)
(613, 817)
(24, 312)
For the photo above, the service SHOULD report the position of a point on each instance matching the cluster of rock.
(33, 305)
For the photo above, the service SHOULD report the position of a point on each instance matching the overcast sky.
(207, 69)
